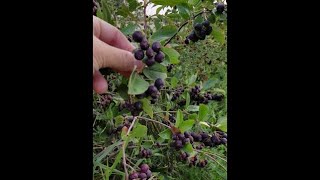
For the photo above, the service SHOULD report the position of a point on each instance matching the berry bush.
(170, 120)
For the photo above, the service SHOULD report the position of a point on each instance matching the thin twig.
(153, 121)
(124, 151)
(145, 3)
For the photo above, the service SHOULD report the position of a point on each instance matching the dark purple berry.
(198, 27)
(208, 30)
(149, 174)
(133, 175)
(152, 90)
(149, 152)
(223, 140)
(220, 8)
(204, 135)
(156, 46)
(150, 61)
(193, 37)
(149, 52)
(181, 136)
(206, 23)
(186, 134)
(143, 176)
(186, 140)
(144, 45)
(178, 144)
(159, 57)
(144, 168)
(174, 137)
(159, 83)
(137, 36)
(186, 41)
(138, 105)
(139, 54)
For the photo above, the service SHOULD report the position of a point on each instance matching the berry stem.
(153, 121)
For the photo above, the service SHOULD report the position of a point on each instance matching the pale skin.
(111, 49)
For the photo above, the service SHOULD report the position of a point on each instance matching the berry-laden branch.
(185, 23)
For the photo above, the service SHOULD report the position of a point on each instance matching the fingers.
(120, 60)
(100, 84)
(110, 35)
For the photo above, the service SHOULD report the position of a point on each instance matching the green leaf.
(186, 125)
(188, 148)
(193, 2)
(179, 118)
(137, 85)
(164, 33)
(212, 18)
(124, 11)
(146, 106)
(155, 71)
(139, 131)
(192, 79)
(129, 29)
(203, 112)
(193, 108)
(133, 4)
(184, 10)
(158, 10)
(218, 34)
(187, 99)
(168, 2)
(166, 134)
(123, 91)
(115, 163)
(222, 123)
(174, 82)
(172, 54)
(209, 84)
(193, 116)
(106, 13)
(119, 120)
(99, 157)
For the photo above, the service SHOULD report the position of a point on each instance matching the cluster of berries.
(153, 53)
(143, 173)
(197, 98)
(153, 91)
(145, 153)
(200, 31)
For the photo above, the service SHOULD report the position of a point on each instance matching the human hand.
(111, 49)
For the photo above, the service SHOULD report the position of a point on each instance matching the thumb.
(120, 60)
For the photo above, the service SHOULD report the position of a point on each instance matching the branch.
(124, 151)
(153, 121)
(145, 4)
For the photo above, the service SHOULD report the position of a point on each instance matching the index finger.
(110, 35)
